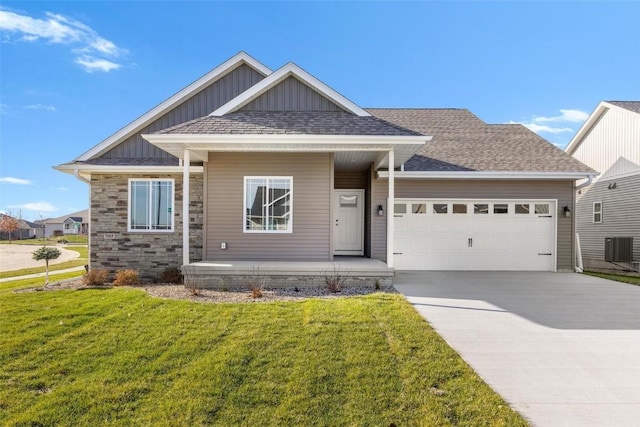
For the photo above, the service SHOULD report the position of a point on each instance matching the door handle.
(470, 242)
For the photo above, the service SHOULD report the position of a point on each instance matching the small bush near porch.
(120, 357)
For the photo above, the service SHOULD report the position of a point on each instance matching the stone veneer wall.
(113, 248)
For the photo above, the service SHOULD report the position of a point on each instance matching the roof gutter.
(76, 173)
(584, 184)
(487, 175)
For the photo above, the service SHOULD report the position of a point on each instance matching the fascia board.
(151, 115)
(285, 138)
(87, 168)
(486, 175)
(276, 77)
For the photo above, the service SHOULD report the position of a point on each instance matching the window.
(459, 208)
(151, 204)
(521, 208)
(399, 208)
(481, 208)
(541, 209)
(419, 208)
(500, 208)
(597, 212)
(440, 208)
(267, 204)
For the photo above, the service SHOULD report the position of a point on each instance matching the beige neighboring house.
(252, 169)
(76, 223)
(608, 208)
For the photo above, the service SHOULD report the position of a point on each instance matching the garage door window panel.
(459, 208)
(440, 208)
(500, 208)
(481, 208)
(521, 209)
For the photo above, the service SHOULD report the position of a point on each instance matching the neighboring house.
(26, 230)
(274, 166)
(75, 223)
(608, 209)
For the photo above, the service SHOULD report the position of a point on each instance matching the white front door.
(348, 222)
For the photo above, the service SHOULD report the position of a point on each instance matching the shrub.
(334, 280)
(171, 275)
(95, 277)
(126, 278)
(256, 291)
(256, 283)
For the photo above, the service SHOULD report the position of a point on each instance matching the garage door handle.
(544, 253)
(398, 216)
(398, 253)
(545, 216)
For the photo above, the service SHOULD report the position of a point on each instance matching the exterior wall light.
(566, 211)
(380, 210)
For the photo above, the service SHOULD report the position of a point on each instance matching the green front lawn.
(71, 238)
(83, 252)
(634, 280)
(120, 357)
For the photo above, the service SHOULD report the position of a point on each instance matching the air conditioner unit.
(618, 249)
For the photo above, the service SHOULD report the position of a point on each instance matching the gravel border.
(233, 295)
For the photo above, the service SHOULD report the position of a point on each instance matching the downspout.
(584, 184)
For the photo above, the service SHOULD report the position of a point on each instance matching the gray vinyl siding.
(620, 216)
(312, 192)
(291, 95)
(563, 191)
(199, 105)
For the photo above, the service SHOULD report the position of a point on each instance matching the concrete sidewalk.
(52, 274)
(562, 348)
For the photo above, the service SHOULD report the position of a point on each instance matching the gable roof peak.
(287, 70)
(217, 73)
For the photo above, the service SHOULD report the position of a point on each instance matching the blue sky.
(73, 73)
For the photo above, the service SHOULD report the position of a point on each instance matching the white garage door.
(475, 235)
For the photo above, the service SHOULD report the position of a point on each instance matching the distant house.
(75, 223)
(252, 168)
(26, 230)
(608, 210)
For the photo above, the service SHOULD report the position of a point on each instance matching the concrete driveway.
(562, 348)
(17, 257)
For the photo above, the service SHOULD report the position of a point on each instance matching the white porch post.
(185, 207)
(390, 208)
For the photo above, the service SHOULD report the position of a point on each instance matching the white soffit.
(278, 76)
(144, 120)
(486, 175)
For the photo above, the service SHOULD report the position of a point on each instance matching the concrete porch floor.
(356, 271)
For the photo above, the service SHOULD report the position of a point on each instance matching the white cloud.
(12, 180)
(567, 121)
(60, 188)
(40, 107)
(90, 47)
(36, 207)
(566, 116)
(91, 64)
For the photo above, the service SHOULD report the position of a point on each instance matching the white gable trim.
(153, 114)
(601, 109)
(278, 76)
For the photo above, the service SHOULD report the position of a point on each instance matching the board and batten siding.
(620, 216)
(204, 102)
(563, 191)
(291, 95)
(614, 135)
(312, 192)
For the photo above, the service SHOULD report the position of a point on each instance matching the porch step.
(278, 274)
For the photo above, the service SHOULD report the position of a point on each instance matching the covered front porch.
(352, 271)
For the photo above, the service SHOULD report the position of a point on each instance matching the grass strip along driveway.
(121, 357)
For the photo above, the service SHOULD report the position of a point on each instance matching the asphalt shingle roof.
(629, 105)
(290, 122)
(463, 142)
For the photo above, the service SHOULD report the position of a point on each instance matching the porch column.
(390, 208)
(185, 207)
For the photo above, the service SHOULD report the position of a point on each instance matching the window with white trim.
(151, 204)
(268, 204)
(597, 212)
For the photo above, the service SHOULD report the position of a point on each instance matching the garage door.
(475, 235)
